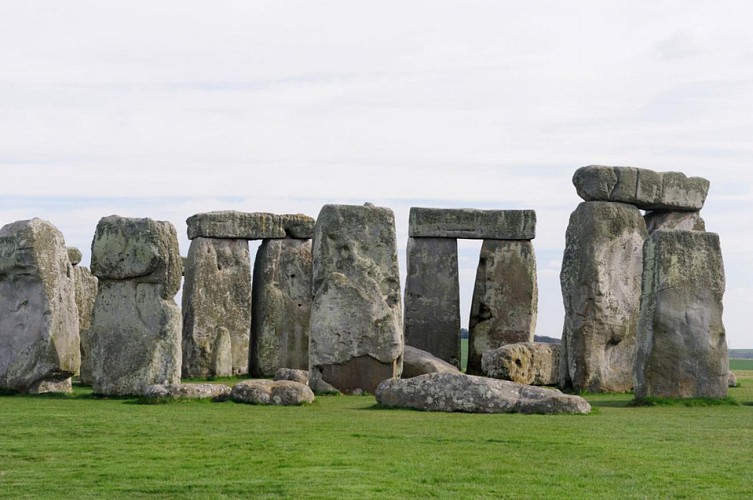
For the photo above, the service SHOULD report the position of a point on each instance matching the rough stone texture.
(467, 393)
(135, 336)
(249, 226)
(216, 392)
(531, 363)
(432, 297)
(473, 224)
(731, 379)
(268, 392)
(505, 299)
(601, 289)
(356, 338)
(38, 320)
(216, 307)
(417, 362)
(48, 386)
(281, 307)
(669, 221)
(142, 250)
(300, 376)
(646, 189)
(682, 347)
(74, 255)
(86, 285)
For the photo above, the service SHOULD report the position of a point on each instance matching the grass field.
(345, 447)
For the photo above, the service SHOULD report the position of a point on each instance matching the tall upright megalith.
(281, 306)
(356, 338)
(135, 336)
(39, 343)
(682, 348)
(216, 308)
(505, 299)
(601, 290)
(86, 285)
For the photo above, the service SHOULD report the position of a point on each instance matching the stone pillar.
(505, 299)
(682, 348)
(281, 307)
(601, 289)
(39, 343)
(216, 308)
(135, 335)
(356, 338)
(432, 298)
(86, 293)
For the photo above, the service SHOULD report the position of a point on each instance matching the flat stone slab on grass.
(450, 392)
(216, 392)
(250, 226)
(473, 224)
(418, 362)
(646, 189)
(272, 392)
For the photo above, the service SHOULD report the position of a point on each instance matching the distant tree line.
(536, 338)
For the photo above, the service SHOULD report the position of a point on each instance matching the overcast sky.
(166, 109)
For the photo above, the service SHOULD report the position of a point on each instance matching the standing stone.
(669, 221)
(505, 299)
(601, 289)
(135, 336)
(39, 344)
(682, 347)
(86, 286)
(216, 308)
(281, 307)
(432, 298)
(356, 338)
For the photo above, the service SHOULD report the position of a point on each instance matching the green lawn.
(344, 447)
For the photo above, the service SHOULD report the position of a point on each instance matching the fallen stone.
(356, 338)
(467, 393)
(300, 376)
(268, 392)
(64, 386)
(674, 221)
(601, 289)
(417, 362)
(249, 226)
(731, 379)
(530, 363)
(505, 299)
(472, 224)
(39, 340)
(281, 307)
(682, 346)
(86, 285)
(216, 307)
(646, 189)
(432, 297)
(215, 392)
(74, 255)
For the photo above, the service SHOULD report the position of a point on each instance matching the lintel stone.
(231, 224)
(472, 224)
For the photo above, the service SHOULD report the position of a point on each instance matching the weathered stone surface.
(467, 393)
(731, 379)
(646, 189)
(356, 337)
(249, 226)
(281, 307)
(432, 297)
(601, 289)
(682, 347)
(674, 221)
(505, 299)
(38, 319)
(300, 376)
(470, 223)
(137, 249)
(531, 363)
(268, 392)
(417, 362)
(86, 285)
(216, 392)
(135, 335)
(216, 307)
(74, 255)
(48, 386)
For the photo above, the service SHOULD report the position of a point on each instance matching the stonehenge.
(320, 306)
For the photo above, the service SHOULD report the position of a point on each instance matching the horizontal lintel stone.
(250, 226)
(472, 224)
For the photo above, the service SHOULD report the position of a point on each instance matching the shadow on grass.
(688, 402)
